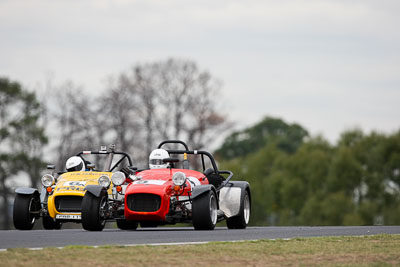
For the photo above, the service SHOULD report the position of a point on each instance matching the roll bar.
(198, 152)
(124, 155)
(192, 152)
(173, 142)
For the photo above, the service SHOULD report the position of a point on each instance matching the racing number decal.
(68, 216)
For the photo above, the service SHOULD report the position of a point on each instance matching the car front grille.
(144, 202)
(68, 203)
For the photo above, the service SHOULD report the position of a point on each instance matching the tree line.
(150, 102)
(297, 179)
(22, 136)
(170, 99)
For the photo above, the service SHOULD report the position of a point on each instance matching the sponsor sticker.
(153, 182)
(68, 216)
(74, 183)
(72, 188)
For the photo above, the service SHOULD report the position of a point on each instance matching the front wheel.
(205, 211)
(241, 220)
(127, 225)
(50, 224)
(94, 211)
(26, 210)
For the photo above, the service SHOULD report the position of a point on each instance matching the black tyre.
(204, 212)
(94, 211)
(127, 225)
(26, 211)
(50, 224)
(241, 220)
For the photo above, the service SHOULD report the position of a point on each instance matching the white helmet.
(156, 159)
(74, 164)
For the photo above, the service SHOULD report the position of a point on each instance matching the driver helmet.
(156, 159)
(74, 164)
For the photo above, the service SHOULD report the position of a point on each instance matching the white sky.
(329, 65)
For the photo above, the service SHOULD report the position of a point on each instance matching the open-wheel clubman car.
(173, 195)
(59, 199)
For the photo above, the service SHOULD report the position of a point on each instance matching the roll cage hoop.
(109, 167)
(197, 152)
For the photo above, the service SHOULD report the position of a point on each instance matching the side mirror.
(51, 167)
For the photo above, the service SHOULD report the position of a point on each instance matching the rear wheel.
(127, 225)
(94, 211)
(50, 224)
(241, 220)
(26, 210)
(205, 211)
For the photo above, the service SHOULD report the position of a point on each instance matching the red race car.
(165, 194)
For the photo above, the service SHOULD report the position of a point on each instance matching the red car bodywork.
(148, 199)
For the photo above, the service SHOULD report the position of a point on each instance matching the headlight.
(179, 178)
(48, 180)
(118, 178)
(104, 181)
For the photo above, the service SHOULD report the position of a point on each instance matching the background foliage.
(296, 179)
(170, 99)
(355, 182)
(22, 137)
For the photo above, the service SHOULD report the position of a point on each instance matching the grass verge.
(378, 250)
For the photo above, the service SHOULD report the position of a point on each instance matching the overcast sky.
(329, 65)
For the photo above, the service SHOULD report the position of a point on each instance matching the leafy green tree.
(287, 137)
(256, 169)
(376, 191)
(21, 138)
(330, 209)
(303, 175)
(356, 182)
(345, 172)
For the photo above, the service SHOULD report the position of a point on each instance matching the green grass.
(378, 250)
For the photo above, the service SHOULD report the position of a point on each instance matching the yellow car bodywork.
(72, 184)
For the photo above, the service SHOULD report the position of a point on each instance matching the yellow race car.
(59, 199)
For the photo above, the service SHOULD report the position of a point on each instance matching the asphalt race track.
(162, 235)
